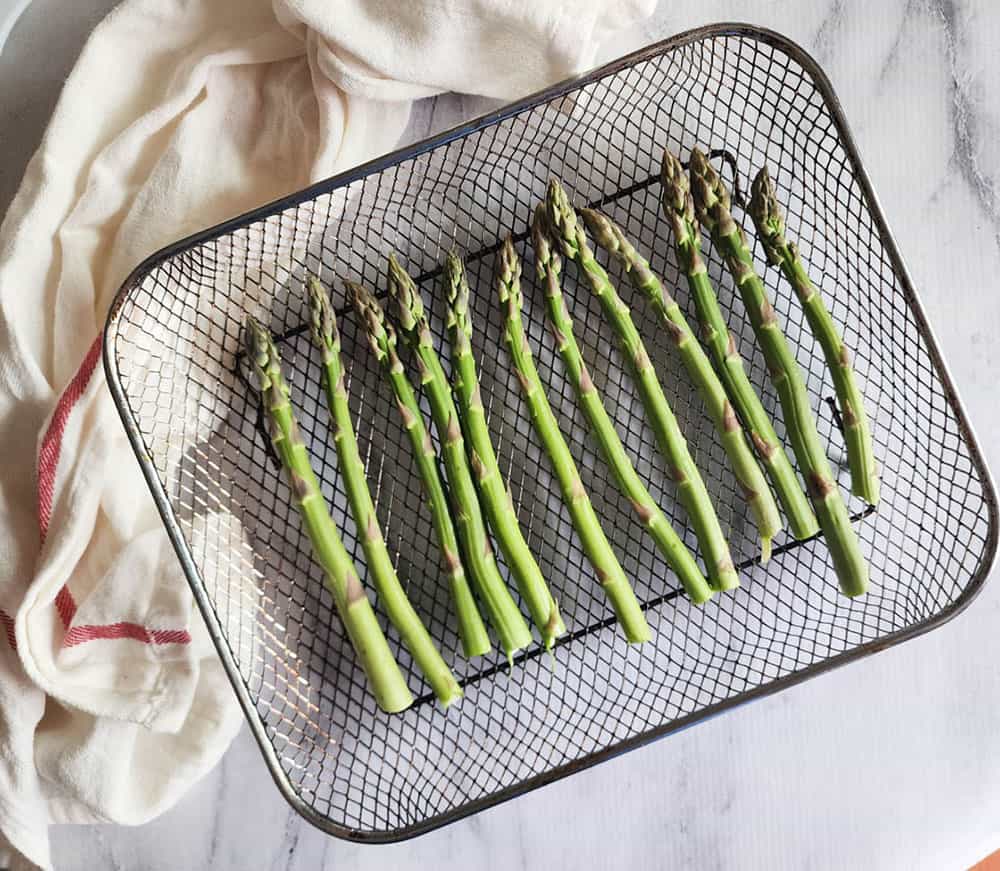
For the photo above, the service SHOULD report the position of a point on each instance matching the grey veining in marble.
(891, 763)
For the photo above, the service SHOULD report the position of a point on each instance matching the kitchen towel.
(178, 114)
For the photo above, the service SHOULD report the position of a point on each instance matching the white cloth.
(179, 113)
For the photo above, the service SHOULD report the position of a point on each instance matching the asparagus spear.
(326, 338)
(679, 209)
(749, 477)
(712, 204)
(770, 223)
(595, 543)
(570, 236)
(493, 495)
(507, 620)
(384, 676)
(382, 339)
(549, 266)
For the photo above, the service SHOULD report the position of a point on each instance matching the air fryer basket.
(174, 364)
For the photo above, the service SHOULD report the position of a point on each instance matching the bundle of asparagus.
(749, 477)
(326, 337)
(384, 676)
(569, 235)
(588, 527)
(549, 266)
(678, 206)
(770, 223)
(382, 339)
(477, 550)
(475, 485)
(495, 497)
(712, 205)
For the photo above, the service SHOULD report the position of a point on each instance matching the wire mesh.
(173, 352)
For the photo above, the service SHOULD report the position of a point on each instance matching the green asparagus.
(570, 236)
(493, 494)
(712, 205)
(679, 209)
(748, 474)
(326, 338)
(503, 613)
(382, 339)
(549, 266)
(342, 580)
(770, 223)
(595, 543)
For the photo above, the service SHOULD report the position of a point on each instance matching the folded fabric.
(179, 114)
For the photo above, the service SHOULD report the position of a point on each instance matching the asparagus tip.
(251, 336)
(509, 275)
(403, 290)
(710, 197)
(323, 323)
(602, 228)
(766, 215)
(562, 217)
(675, 188)
(260, 349)
(454, 275)
(508, 255)
(671, 170)
(699, 161)
(364, 304)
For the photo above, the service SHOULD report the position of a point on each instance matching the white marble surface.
(891, 763)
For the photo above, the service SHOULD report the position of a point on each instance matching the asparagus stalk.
(493, 494)
(570, 236)
(749, 476)
(326, 338)
(549, 266)
(503, 613)
(770, 223)
(595, 543)
(380, 667)
(712, 204)
(382, 339)
(679, 209)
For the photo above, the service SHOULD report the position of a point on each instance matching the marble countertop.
(890, 763)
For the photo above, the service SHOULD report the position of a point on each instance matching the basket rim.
(699, 34)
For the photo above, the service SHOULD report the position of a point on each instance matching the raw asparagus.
(595, 543)
(326, 338)
(493, 494)
(679, 208)
(748, 474)
(570, 236)
(370, 646)
(382, 339)
(503, 613)
(770, 223)
(712, 205)
(549, 266)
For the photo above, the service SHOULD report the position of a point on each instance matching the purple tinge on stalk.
(730, 423)
(677, 333)
(820, 486)
(644, 512)
(765, 449)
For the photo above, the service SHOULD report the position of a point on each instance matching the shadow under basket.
(176, 369)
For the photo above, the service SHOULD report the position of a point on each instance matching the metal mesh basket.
(172, 352)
